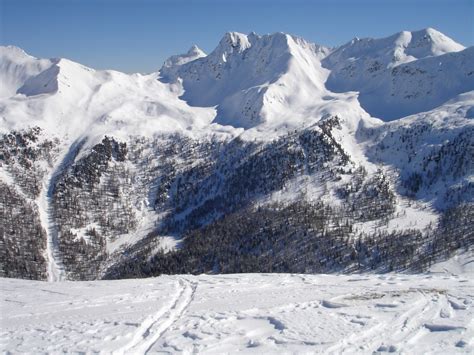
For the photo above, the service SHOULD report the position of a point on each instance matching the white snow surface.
(246, 313)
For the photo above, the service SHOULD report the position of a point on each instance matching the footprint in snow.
(357, 280)
(461, 344)
(387, 348)
(386, 305)
(330, 304)
(457, 306)
(357, 321)
(446, 313)
(442, 327)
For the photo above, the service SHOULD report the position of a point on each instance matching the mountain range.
(270, 154)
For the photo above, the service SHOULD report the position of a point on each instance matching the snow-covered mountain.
(269, 154)
(69, 99)
(400, 48)
(403, 74)
(255, 80)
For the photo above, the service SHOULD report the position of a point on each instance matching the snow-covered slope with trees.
(342, 159)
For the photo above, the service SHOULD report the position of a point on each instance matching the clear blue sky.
(138, 35)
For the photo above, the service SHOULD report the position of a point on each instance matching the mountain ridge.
(246, 104)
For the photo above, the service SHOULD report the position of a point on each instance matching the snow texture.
(248, 313)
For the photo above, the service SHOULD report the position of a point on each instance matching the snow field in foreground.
(249, 313)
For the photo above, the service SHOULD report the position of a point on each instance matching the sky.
(138, 35)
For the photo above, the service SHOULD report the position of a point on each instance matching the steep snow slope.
(248, 313)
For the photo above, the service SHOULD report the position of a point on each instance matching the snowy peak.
(246, 74)
(400, 75)
(195, 52)
(234, 49)
(430, 42)
(248, 81)
(233, 42)
(16, 67)
(409, 46)
(70, 99)
(391, 51)
(246, 47)
(29, 76)
(63, 75)
(14, 53)
(173, 63)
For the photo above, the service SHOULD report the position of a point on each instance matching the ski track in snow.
(155, 325)
(247, 313)
(55, 269)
